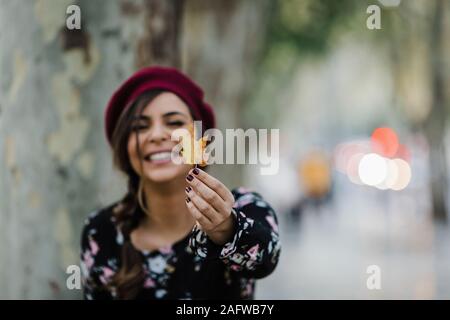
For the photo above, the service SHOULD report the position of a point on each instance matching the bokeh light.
(404, 175)
(344, 152)
(353, 168)
(372, 169)
(385, 142)
(403, 153)
(391, 175)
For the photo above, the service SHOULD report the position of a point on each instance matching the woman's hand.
(210, 203)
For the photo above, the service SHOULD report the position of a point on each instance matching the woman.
(178, 233)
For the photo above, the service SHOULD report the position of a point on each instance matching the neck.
(167, 211)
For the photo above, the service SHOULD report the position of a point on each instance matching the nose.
(158, 133)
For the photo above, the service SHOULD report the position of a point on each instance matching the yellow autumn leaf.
(193, 150)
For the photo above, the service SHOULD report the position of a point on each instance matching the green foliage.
(308, 25)
(297, 28)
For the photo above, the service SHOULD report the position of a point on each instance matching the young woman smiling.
(178, 233)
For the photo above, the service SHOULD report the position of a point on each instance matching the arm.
(252, 243)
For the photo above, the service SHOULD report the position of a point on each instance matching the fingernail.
(187, 199)
(190, 177)
(195, 171)
(188, 189)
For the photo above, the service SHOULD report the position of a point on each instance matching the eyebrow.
(165, 115)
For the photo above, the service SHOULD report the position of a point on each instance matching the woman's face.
(154, 127)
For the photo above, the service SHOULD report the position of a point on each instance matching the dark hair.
(128, 281)
(129, 212)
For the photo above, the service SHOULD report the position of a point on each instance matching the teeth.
(160, 156)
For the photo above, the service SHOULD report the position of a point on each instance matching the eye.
(175, 123)
(139, 127)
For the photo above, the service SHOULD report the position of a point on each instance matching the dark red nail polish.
(190, 177)
(188, 189)
(187, 199)
(195, 171)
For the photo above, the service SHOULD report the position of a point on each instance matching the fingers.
(209, 201)
(203, 206)
(214, 184)
(204, 222)
(209, 196)
(202, 219)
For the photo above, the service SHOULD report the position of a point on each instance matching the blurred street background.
(359, 89)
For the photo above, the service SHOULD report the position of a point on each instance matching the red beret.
(163, 78)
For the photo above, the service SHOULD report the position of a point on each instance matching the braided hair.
(128, 281)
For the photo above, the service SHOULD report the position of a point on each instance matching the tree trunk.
(222, 42)
(419, 69)
(160, 43)
(55, 164)
(435, 125)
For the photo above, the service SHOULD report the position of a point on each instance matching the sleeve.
(255, 247)
(95, 273)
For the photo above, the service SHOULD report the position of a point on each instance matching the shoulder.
(101, 218)
(100, 224)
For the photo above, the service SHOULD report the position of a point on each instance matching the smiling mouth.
(160, 157)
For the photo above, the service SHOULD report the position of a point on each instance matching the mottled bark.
(160, 43)
(221, 44)
(419, 54)
(55, 164)
(435, 125)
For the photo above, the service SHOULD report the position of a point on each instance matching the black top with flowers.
(192, 268)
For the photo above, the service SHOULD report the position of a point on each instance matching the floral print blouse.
(192, 268)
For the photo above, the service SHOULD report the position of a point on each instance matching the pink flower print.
(235, 267)
(107, 274)
(242, 190)
(248, 290)
(87, 259)
(165, 250)
(253, 251)
(94, 246)
(272, 223)
(149, 283)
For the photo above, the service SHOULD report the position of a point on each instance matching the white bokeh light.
(353, 167)
(404, 175)
(391, 175)
(372, 169)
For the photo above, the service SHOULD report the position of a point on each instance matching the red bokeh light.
(385, 142)
(403, 153)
